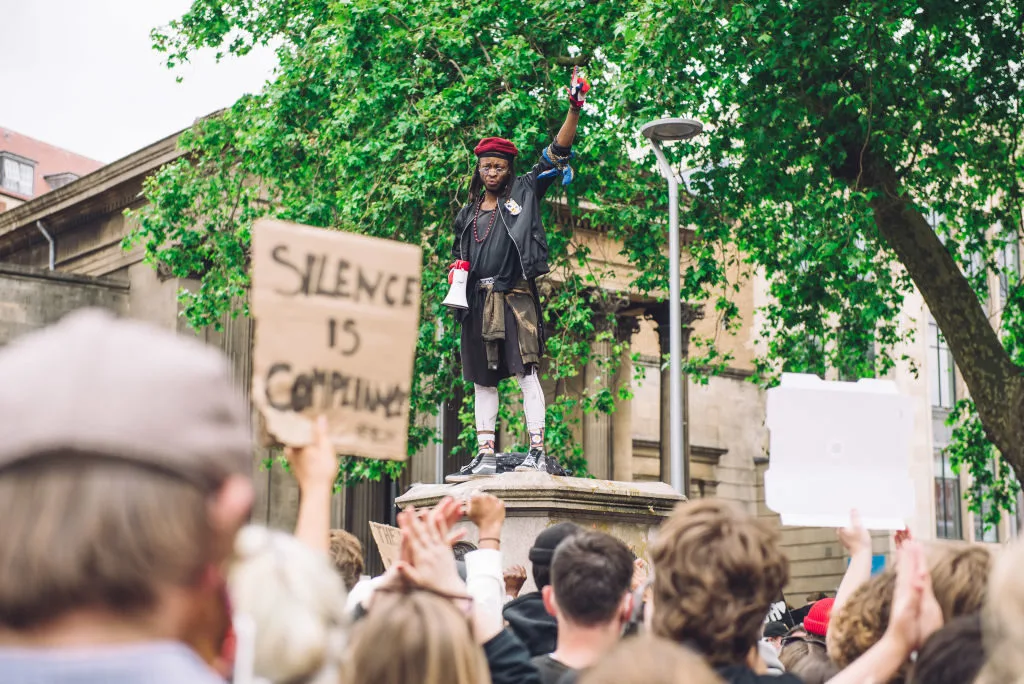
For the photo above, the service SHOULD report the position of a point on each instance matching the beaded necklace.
(494, 215)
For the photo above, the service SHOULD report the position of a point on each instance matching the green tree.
(368, 126)
(835, 129)
(838, 128)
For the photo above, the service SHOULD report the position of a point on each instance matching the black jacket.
(532, 624)
(525, 229)
(741, 674)
(509, 662)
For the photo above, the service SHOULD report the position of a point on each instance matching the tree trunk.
(996, 384)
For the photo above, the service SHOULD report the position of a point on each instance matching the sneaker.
(466, 471)
(533, 462)
(487, 466)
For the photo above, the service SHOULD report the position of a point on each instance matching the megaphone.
(458, 277)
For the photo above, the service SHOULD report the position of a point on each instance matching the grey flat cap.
(96, 384)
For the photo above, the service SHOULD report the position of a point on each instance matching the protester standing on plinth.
(500, 234)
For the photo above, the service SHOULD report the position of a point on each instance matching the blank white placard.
(836, 446)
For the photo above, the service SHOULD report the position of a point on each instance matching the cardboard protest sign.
(836, 446)
(337, 317)
(389, 540)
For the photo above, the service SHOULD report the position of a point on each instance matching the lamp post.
(656, 132)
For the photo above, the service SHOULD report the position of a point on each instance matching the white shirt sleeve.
(486, 584)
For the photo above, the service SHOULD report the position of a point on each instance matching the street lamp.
(656, 132)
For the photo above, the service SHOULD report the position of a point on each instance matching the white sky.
(81, 74)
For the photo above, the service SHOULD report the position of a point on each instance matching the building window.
(947, 499)
(16, 173)
(1017, 516)
(1009, 270)
(942, 369)
(982, 532)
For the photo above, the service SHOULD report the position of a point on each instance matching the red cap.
(496, 147)
(817, 618)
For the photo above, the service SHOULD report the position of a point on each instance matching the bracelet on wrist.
(575, 108)
(493, 539)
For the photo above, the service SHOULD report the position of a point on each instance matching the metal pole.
(439, 452)
(679, 475)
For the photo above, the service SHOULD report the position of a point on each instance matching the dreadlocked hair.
(476, 185)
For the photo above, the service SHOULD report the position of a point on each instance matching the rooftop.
(42, 167)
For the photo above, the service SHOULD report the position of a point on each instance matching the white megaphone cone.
(458, 277)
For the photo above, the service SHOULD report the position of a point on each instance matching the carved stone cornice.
(659, 313)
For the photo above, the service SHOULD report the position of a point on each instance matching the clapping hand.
(915, 613)
(425, 556)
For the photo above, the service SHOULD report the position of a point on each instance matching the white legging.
(486, 403)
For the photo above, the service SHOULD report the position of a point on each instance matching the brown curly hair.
(862, 620)
(717, 569)
(959, 578)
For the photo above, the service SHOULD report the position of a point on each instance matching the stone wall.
(32, 298)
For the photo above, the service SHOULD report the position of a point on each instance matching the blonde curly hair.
(415, 637)
(959, 578)
(649, 660)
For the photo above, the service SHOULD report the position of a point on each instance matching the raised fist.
(578, 89)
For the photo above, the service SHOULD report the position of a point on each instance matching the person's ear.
(548, 594)
(626, 607)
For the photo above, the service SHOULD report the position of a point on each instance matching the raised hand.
(486, 511)
(855, 538)
(515, 578)
(640, 573)
(316, 463)
(578, 89)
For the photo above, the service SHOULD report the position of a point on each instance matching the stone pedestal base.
(535, 501)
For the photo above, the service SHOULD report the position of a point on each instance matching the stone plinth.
(534, 501)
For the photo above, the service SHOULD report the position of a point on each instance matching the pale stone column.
(660, 315)
(622, 419)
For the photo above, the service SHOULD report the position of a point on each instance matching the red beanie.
(496, 147)
(816, 621)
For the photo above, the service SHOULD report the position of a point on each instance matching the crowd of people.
(126, 557)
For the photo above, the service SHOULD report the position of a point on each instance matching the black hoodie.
(530, 621)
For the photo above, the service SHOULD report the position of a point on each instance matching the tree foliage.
(839, 129)
(835, 131)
